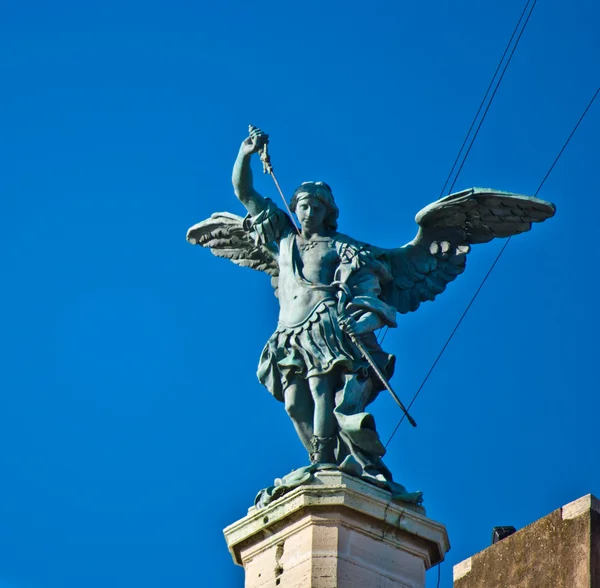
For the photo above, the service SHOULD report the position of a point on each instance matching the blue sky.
(132, 425)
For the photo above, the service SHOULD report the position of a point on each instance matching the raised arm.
(241, 176)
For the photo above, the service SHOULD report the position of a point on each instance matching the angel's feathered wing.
(224, 234)
(447, 228)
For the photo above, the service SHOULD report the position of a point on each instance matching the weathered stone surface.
(560, 550)
(339, 533)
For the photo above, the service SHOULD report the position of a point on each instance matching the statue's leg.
(324, 423)
(300, 407)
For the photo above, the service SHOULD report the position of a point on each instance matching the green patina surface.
(324, 361)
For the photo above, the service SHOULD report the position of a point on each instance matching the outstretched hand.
(255, 142)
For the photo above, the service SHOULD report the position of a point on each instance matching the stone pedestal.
(561, 550)
(337, 532)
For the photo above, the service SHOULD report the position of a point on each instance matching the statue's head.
(322, 192)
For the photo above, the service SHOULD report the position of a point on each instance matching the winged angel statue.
(334, 292)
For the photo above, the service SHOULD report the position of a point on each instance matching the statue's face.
(311, 213)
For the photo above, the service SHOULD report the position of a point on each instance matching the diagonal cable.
(492, 97)
(385, 329)
(485, 96)
(492, 267)
(449, 339)
(567, 141)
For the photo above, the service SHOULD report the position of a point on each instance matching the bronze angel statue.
(335, 292)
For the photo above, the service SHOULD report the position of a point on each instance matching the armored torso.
(306, 271)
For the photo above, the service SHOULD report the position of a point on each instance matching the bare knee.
(320, 389)
(292, 407)
(297, 404)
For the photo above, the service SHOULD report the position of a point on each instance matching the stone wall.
(561, 550)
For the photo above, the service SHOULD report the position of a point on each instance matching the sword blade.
(270, 172)
(376, 369)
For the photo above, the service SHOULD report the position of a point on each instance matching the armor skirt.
(316, 347)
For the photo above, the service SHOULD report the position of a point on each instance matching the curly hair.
(322, 192)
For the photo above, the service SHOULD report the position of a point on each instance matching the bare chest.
(302, 265)
(317, 260)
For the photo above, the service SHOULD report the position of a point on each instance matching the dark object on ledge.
(499, 533)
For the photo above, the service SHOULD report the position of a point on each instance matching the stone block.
(337, 532)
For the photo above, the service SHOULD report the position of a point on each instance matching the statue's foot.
(305, 475)
(381, 478)
(323, 450)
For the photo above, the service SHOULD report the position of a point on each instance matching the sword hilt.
(266, 160)
(264, 151)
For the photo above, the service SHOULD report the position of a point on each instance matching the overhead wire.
(567, 141)
(493, 266)
(492, 83)
(514, 48)
(483, 100)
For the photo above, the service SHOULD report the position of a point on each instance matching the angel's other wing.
(224, 234)
(484, 214)
(447, 228)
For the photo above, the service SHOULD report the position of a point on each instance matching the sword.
(268, 169)
(360, 345)
(343, 294)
